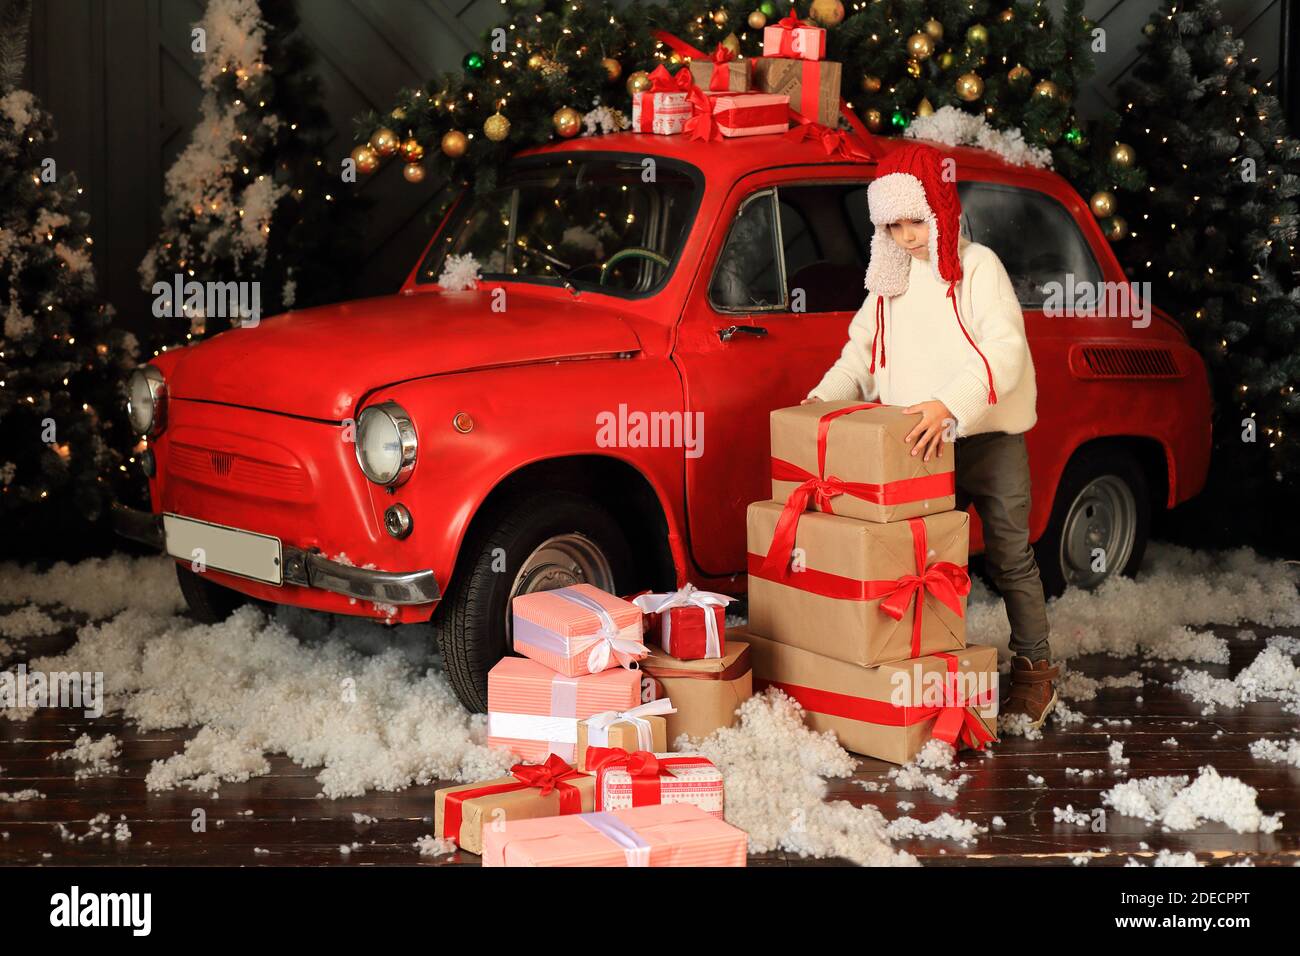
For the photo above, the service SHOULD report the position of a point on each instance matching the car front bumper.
(308, 569)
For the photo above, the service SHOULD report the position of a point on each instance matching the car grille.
(227, 469)
(1121, 361)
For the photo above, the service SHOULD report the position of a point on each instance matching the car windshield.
(614, 224)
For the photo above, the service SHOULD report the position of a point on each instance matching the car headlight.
(386, 443)
(146, 403)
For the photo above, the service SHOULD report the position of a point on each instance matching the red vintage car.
(597, 409)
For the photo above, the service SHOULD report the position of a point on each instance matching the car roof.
(733, 157)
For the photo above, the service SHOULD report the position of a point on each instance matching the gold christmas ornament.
(413, 173)
(977, 35)
(731, 42)
(913, 68)
(757, 20)
(366, 159)
(970, 87)
(412, 151)
(870, 84)
(1006, 16)
(827, 13)
(1102, 204)
(613, 68)
(675, 59)
(874, 120)
(1122, 154)
(720, 17)
(454, 143)
(567, 121)
(1018, 74)
(920, 46)
(934, 29)
(536, 61)
(924, 108)
(496, 127)
(384, 142)
(399, 113)
(1045, 88)
(1116, 228)
(638, 82)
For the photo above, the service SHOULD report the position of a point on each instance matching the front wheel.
(1100, 522)
(530, 543)
(208, 602)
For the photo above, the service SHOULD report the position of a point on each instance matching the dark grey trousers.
(992, 472)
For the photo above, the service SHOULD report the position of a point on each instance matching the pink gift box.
(683, 778)
(662, 113)
(675, 834)
(564, 629)
(534, 712)
(800, 43)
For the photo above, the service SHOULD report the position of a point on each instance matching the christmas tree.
(65, 444)
(252, 197)
(1216, 237)
(558, 68)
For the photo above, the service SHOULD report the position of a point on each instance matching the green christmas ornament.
(1074, 136)
(768, 8)
(473, 62)
(899, 120)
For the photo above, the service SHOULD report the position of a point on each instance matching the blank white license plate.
(250, 555)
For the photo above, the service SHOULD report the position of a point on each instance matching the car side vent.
(1123, 361)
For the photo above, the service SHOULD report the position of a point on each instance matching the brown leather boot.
(1032, 691)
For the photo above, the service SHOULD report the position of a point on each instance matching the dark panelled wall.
(121, 81)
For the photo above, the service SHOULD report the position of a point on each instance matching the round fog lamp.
(397, 521)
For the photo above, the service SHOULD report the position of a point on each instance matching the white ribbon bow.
(598, 724)
(687, 596)
(608, 640)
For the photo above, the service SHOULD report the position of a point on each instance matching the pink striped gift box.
(569, 629)
(675, 834)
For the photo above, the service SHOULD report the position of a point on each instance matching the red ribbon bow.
(787, 25)
(701, 125)
(958, 720)
(661, 81)
(547, 777)
(948, 582)
(834, 141)
(720, 79)
(645, 769)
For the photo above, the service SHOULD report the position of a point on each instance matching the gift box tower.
(858, 584)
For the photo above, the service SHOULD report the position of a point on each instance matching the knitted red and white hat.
(910, 184)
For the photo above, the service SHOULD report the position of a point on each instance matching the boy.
(910, 345)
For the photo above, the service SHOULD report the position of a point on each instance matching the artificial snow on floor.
(367, 706)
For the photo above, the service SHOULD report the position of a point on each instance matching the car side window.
(822, 232)
(1034, 235)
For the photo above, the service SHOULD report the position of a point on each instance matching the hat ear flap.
(890, 265)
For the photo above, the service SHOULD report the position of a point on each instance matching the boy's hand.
(928, 433)
(810, 401)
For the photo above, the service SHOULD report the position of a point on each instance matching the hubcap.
(559, 562)
(1102, 516)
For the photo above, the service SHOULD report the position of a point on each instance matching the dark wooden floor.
(281, 814)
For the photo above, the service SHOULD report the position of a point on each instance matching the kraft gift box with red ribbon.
(722, 72)
(791, 38)
(691, 623)
(890, 711)
(813, 86)
(706, 692)
(858, 591)
(532, 790)
(578, 629)
(850, 458)
(641, 779)
(666, 834)
(663, 109)
(644, 727)
(715, 115)
(534, 712)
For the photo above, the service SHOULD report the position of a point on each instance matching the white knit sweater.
(926, 356)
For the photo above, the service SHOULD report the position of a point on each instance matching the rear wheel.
(530, 543)
(1100, 522)
(209, 602)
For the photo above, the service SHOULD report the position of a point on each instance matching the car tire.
(1102, 502)
(209, 602)
(521, 546)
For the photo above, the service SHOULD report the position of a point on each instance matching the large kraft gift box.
(721, 72)
(705, 692)
(673, 834)
(534, 712)
(858, 591)
(578, 629)
(812, 85)
(532, 790)
(850, 458)
(888, 711)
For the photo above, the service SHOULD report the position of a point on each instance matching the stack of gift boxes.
(858, 585)
(591, 709)
(746, 97)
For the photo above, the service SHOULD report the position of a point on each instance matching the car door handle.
(726, 334)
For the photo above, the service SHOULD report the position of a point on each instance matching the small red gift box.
(641, 779)
(792, 39)
(664, 108)
(736, 114)
(692, 623)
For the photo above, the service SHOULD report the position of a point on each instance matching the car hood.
(318, 363)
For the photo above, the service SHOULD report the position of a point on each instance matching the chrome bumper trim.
(308, 569)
